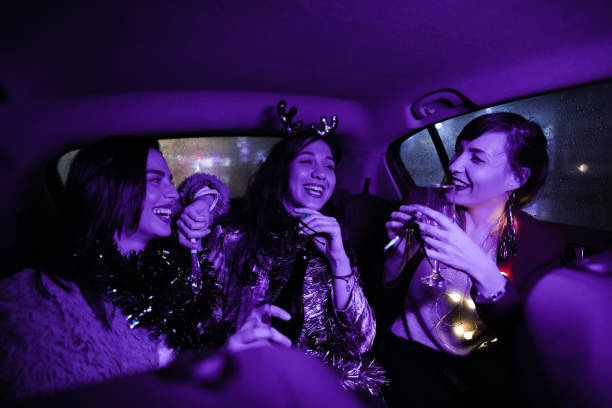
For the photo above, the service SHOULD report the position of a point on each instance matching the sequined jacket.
(339, 337)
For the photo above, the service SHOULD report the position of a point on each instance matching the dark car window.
(231, 158)
(578, 125)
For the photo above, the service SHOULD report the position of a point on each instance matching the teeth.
(162, 211)
(311, 187)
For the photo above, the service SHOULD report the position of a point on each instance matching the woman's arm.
(350, 304)
(326, 234)
(357, 317)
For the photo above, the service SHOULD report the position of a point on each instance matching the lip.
(460, 184)
(163, 212)
(315, 190)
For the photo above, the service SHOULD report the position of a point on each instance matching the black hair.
(262, 206)
(105, 189)
(526, 147)
(104, 195)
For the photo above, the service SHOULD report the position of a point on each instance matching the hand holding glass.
(440, 197)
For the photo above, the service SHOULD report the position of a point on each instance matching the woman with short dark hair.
(490, 258)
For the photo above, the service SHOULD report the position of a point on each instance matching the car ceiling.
(72, 71)
(365, 51)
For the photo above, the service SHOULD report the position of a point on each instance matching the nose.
(318, 172)
(170, 191)
(456, 164)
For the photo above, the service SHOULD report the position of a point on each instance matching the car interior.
(403, 77)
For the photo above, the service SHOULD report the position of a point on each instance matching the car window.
(577, 123)
(233, 159)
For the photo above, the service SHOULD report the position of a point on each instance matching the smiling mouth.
(314, 190)
(163, 213)
(460, 184)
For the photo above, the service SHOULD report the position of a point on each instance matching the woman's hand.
(449, 244)
(255, 333)
(399, 250)
(194, 223)
(397, 230)
(325, 233)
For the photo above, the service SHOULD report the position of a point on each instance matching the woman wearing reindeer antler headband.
(281, 257)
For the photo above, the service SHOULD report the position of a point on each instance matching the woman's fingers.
(314, 217)
(197, 233)
(436, 216)
(258, 333)
(280, 339)
(401, 216)
(192, 223)
(432, 231)
(441, 252)
(321, 225)
(282, 314)
(432, 254)
(199, 210)
(186, 242)
(304, 210)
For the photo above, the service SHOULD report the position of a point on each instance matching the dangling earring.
(507, 246)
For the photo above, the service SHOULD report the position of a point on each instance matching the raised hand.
(450, 245)
(255, 332)
(325, 233)
(194, 223)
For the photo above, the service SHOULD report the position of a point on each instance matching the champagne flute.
(440, 197)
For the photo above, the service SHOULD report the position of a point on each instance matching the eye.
(477, 160)
(330, 166)
(305, 161)
(155, 179)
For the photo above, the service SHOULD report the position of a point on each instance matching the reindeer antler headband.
(294, 127)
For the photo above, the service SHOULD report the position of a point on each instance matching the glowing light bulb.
(438, 126)
(470, 303)
(583, 168)
(468, 335)
(459, 330)
(454, 296)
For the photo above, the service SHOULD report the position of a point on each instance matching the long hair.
(104, 195)
(526, 147)
(105, 190)
(262, 206)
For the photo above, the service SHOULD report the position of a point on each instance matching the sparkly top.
(338, 337)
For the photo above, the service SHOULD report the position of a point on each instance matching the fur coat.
(51, 340)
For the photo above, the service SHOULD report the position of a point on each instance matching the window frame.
(53, 180)
(404, 180)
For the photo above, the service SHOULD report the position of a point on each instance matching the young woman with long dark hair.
(99, 310)
(285, 242)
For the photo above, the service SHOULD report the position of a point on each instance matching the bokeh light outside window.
(233, 159)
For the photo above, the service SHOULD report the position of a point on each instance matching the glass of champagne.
(440, 197)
